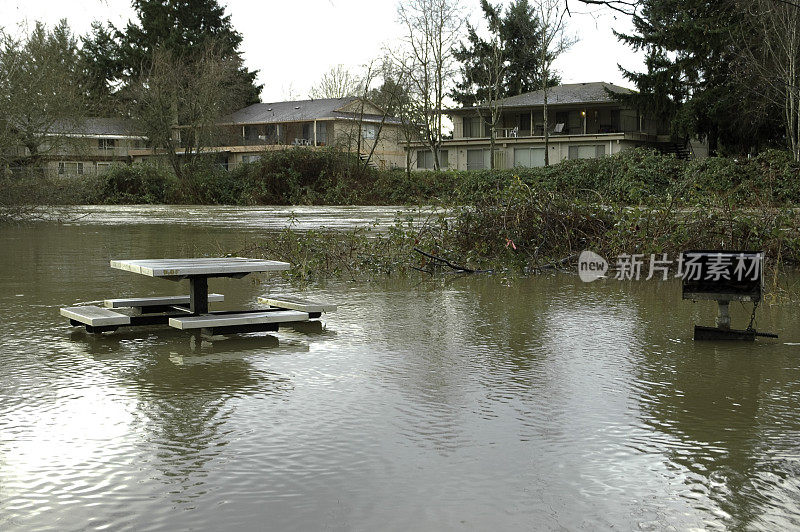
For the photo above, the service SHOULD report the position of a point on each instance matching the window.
(370, 131)
(252, 132)
(250, 158)
(106, 144)
(103, 167)
(529, 157)
(524, 121)
(70, 168)
(589, 151)
(472, 126)
(477, 159)
(425, 159)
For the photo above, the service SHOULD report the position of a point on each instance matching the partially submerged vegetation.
(521, 229)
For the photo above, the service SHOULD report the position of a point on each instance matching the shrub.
(131, 184)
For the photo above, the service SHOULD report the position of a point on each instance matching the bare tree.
(394, 97)
(626, 7)
(491, 78)
(392, 100)
(368, 117)
(338, 82)
(554, 42)
(432, 29)
(179, 101)
(773, 59)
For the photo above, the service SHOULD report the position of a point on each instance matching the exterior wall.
(87, 155)
(389, 151)
(458, 127)
(457, 152)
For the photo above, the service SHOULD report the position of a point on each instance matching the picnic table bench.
(191, 312)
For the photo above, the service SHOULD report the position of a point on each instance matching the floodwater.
(470, 403)
(299, 218)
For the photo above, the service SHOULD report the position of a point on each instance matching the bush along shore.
(525, 220)
(302, 176)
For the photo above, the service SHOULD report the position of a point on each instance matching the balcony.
(297, 141)
(116, 151)
(556, 129)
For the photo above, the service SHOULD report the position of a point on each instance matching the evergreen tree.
(100, 68)
(519, 31)
(516, 32)
(691, 80)
(185, 28)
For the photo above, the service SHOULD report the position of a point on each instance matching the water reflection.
(184, 409)
(705, 405)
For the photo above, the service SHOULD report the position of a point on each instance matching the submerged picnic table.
(198, 271)
(191, 312)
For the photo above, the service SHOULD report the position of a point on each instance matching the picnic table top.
(200, 266)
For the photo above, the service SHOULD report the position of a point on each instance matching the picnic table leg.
(198, 295)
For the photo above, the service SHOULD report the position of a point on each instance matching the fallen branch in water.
(446, 262)
(559, 264)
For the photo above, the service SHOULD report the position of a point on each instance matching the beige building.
(584, 121)
(262, 127)
(89, 147)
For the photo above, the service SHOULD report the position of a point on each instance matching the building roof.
(293, 111)
(97, 127)
(297, 111)
(568, 93)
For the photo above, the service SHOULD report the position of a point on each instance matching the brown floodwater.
(467, 403)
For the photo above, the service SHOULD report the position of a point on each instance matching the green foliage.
(320, 253)
(184, 29)
(517, 32)
(100, 65)
(41, 104)
(305, 176)
(526, 229)
(694, 78)
(135, 184)
(302, 176)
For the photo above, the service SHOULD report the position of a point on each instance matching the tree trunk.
(546, 132)
(491, 145)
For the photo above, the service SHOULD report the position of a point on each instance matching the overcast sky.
(292, 43)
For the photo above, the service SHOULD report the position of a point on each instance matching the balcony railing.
(296, 141)
(555, 130)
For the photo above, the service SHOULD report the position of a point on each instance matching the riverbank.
(302, 176)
